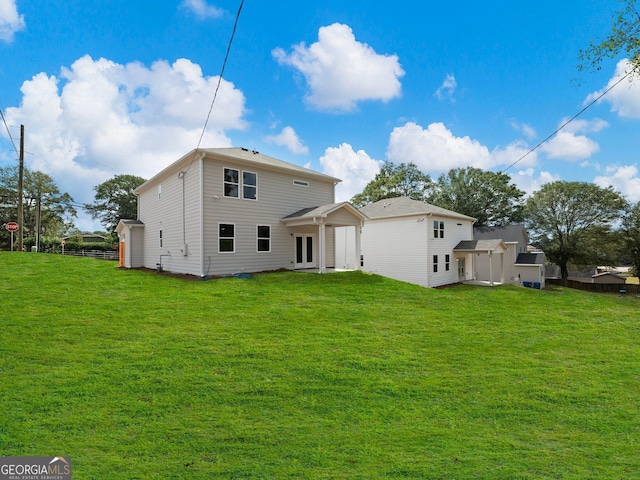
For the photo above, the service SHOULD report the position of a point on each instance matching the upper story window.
(159, 191)
(231, 183)
(235, 181)
(250, 185)
(438, 229)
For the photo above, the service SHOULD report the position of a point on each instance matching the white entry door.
(305, 255)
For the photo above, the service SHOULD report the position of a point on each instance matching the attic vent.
(301, 183)
(459, 224)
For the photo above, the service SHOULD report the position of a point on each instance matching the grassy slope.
(292, 375)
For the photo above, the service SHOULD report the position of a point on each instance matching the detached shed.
(530, 269)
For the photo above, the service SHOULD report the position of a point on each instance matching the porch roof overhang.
(125, 222)
(481, 246)
(330, 214)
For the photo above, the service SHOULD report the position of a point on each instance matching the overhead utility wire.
(224, 64)
(571, 119)
(8, 132)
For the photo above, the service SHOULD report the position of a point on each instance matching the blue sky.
(121, 86)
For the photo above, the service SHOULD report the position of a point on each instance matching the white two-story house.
(226, 211)
(416, 242)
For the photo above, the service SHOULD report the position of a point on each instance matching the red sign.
(12, 226)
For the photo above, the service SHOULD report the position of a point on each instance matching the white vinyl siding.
(405, 248)
(166, 214)
(278, 197)
(396, 248)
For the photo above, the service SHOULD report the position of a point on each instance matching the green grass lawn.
(297, 375)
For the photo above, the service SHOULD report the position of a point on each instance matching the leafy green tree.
(41, 198)
(573, 220)
(404, 180)
(631, 235)
(115, 200)
(487, 196)
(624, 38)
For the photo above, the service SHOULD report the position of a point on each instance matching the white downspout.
(201, 172)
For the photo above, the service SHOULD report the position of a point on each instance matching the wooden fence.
(598, 287)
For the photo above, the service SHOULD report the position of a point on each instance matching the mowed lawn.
(135, 375)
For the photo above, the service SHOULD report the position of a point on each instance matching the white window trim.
(225, 182)
(227, 238)
(252, 186)
(258, 238)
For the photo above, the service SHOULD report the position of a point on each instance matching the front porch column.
(490, 268)
(322, 249)
(358, 247)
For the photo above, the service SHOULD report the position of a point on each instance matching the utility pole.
(20, 191)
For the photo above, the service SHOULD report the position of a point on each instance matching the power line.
(571, 119)
(9, 133)
(224, 64)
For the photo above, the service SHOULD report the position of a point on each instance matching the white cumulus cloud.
(624, 98)
(340, 71)
(10, 20)
(447, 90)
(99, 118)
(202, 9)
(437, 150)
(289, 139)
(623, 179)
(355, 169)
(569, 144)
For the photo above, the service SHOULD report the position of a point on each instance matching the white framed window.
(435, 264)
(301, 183)
(264, 238)
(160, 238)
(249, 185)
(226, 238)
(447, 262)
(438, 229)
(231, 183)
(159, 191)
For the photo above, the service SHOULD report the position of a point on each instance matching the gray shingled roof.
(508, 233)
(478, 245)
(530, 259)
(405, 206)
(323, 211)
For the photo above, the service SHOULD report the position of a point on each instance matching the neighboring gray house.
(414, 242)
(230, 210)
(519, 264)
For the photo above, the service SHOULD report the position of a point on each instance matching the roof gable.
(491, 245)
(405, 206)
(243, 156)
